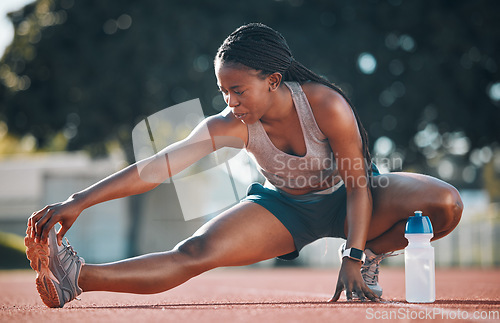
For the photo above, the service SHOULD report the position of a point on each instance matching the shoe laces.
(68, 247)
(370, 269)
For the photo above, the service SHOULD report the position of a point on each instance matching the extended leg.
(245, 234)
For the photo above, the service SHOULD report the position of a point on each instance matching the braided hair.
(262, 48)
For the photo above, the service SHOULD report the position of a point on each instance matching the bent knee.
(451, 207)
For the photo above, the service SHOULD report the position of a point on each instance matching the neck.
(280, 107)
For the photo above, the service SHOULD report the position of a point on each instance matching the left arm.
(337, 121)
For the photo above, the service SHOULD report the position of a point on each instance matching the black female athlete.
(311, 147)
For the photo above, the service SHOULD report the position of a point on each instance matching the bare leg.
(245, 234)
(397, 195)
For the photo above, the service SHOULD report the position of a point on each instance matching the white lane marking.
(440, 311)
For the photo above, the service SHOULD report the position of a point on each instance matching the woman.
(309, 144)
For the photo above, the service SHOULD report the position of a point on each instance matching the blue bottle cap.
(418, 224)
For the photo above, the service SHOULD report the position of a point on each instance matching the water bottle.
(420, 282)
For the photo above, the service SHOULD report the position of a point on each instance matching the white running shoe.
(57, 267)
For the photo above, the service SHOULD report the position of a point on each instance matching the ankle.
(83, 277)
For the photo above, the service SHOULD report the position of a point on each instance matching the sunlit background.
(77, 76)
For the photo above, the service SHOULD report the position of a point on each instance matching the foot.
(57, 267)
(370, 268)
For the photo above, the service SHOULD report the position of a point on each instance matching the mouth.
(240, 116)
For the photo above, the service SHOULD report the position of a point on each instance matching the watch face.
(356, 253)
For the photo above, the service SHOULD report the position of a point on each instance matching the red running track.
(262, 295)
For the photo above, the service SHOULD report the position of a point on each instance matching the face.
(244, 90)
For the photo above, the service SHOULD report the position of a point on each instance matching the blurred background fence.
(101, 233)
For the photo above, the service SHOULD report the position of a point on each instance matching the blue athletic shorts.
(307, 217)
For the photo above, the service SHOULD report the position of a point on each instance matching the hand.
(350, 279)
(41, 222)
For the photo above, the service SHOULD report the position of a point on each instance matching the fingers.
(350, 290)
(372, 296)
(359, 294)
(41, 222)
(338, 291)
(348, 295)
(44, 236)
(363, 293)
(37, 221)
(41, 226)
(60, 234)
(35, 216)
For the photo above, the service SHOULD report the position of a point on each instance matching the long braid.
(262, 48)
(299, 73)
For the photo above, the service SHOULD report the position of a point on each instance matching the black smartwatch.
(356, 254)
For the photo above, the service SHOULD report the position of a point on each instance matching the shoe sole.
(38, 255)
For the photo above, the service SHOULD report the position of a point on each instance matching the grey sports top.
(316, 169)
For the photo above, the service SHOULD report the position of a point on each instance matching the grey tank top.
(316, 169)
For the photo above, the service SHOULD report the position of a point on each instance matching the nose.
(232, 101)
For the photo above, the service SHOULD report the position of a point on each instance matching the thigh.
(245, 234)
(397, 195)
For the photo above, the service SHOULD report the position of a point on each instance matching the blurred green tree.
(93, 69)
(424, 74)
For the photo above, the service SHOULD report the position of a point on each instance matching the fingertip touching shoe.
(370, 268)
(58, 269)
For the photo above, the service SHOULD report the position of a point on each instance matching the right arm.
(134, 179)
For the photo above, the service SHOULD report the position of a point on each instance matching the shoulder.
(225, 124)
(330, 108)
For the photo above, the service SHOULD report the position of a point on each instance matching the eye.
(238, 93)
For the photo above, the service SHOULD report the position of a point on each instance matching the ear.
(274, 81)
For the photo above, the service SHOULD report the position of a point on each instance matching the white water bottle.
(420, 282)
